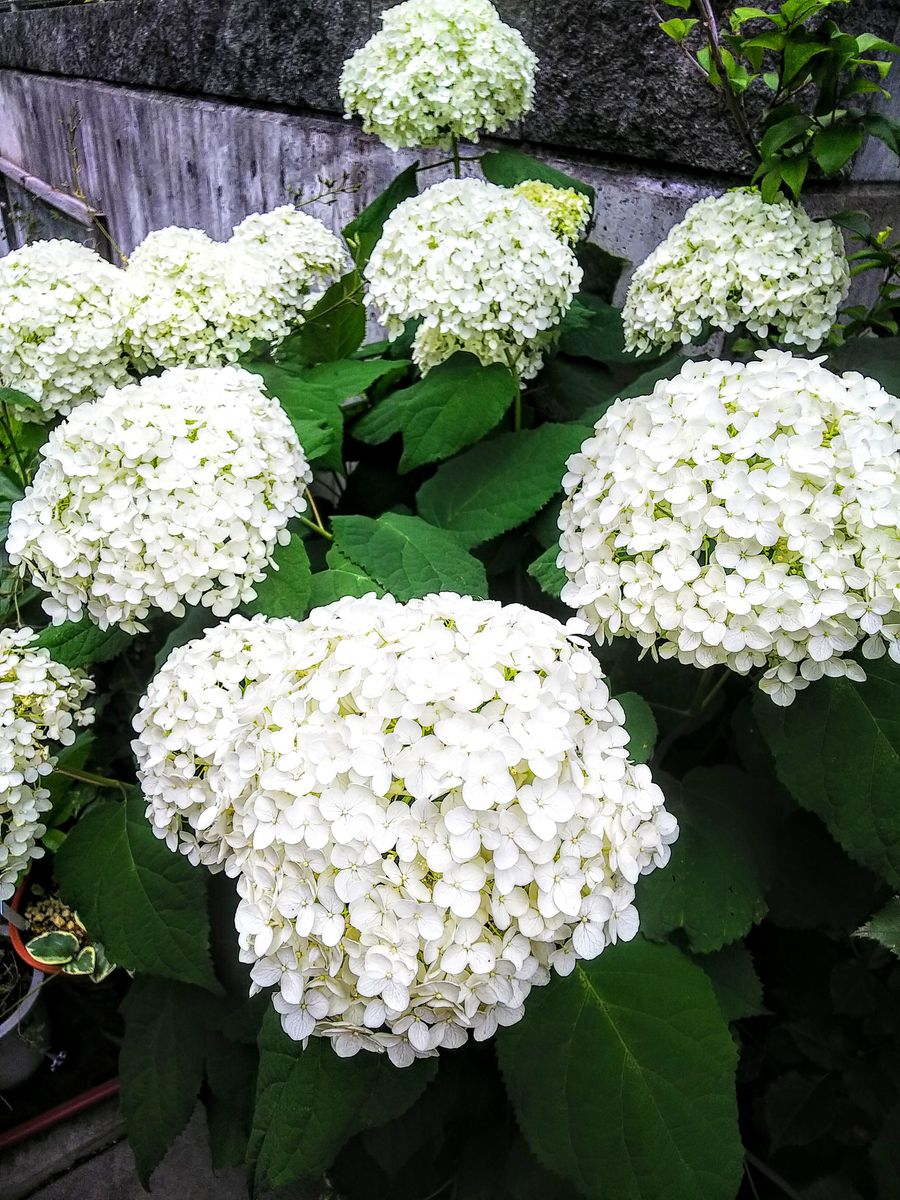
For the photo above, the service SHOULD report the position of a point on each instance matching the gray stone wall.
(610, 83)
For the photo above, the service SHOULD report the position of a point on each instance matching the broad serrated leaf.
(20, 399)
(341, 578)
(408, 557)
(834, 146)
(313, 398)
(145, 904)
(231, 1084)
(455, 404)
(333, 328)
(837, 751)
(81, 643)
(884, 926)
(640, 724)
(714, 885)
(602, 337)
(364, 231)
(500, 483)
(601, 270)
(310, 1101)
(160, 1065)
(550, 577)
(876, 357)
(509, 167)
(622, 1078)
(735, 982)
(285, 591)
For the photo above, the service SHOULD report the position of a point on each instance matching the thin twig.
(734, 105)
(89, 777)
(772, 1176)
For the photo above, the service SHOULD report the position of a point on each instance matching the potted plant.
(23, 1039)
(54, 941)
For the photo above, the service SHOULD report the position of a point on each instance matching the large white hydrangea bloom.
(168, 492)
(428, 806)
(735, 260)
(193, 301)
(61, 320)
(40, 703)
(304, 256)
(483, 270)
(439, 69)
(743, 514)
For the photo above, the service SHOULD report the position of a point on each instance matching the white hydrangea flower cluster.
(193, 301)
(168, 492)
(439, 69)
(735, 260)
(742, 514)
(428, 806)
(40, 702)
(482, 269)
(305, 256)
(567, 209)
(61, 322)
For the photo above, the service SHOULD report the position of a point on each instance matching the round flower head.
(304, 256)
(438, 70)
(60, 326)
(482, 269)
(168, 492)
(428, 807)
(743, 514)
(190, 710)
(567, 209)
(193, 301)
(40, 703)
(735, 260)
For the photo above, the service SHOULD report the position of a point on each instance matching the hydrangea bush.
(41, 703)
(528, 676)
(61, 327)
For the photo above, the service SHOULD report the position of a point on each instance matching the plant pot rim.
(17, 940)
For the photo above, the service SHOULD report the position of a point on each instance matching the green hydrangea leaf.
(551, 578)
(364, 231)
(310, 1102)
(641, 725)
(735, 982)
(81, 643)
(500, 483)
(285, 591)
(637, 1098)
(714, 886)
(146, 905)
(837, 751)
(884, 926)
(506, 168)
(408, 557)
(160, 1065)
(455, 404)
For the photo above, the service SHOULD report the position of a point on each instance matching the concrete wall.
(615, 106)
(148, 159)
(609, 81)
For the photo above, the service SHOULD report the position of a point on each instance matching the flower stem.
(517, 411)
(90, 777)
(317, 525)
(456, 157)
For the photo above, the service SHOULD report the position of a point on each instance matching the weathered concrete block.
(610, 82)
